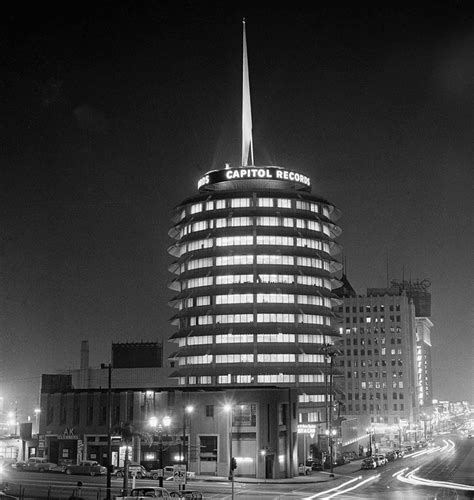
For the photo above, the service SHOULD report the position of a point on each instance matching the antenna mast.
(247, 142)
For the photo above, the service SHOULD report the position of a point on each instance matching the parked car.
(408, 448)
(36, 464)
(400, 453)
(88, 467)
(168, 473)
(187, 495)
(304, 469)
(133, 469)
(391, 456)
(315, 464)
(380, 459)
(368, 463)
(145, 493)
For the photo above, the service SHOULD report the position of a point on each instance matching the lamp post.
(37, 414)
(109, 430)
(156, 424)
(228, 409)
(399, 437)
(369, 433)
(186, 409)
(331, 434)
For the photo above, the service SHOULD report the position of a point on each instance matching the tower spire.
(247, 142)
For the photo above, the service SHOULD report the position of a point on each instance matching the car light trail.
(411, 478)
(358, 485)
(333, 489)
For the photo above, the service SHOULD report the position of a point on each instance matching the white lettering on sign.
(203, 181)
(274, 173)
(68, 434)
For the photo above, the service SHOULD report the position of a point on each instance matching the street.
(443, 471)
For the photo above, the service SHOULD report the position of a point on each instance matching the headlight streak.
(333, 489)
(372, 478)
(400, 472)
(411, 478)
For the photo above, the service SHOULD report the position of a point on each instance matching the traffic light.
(233, 464)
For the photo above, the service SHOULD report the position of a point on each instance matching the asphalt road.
(445, 471)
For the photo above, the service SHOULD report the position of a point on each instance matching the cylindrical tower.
(254, 272)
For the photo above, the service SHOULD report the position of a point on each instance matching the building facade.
(254, 271)
(379, 360)
(257, 427)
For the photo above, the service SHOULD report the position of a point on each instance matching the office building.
(380, 383)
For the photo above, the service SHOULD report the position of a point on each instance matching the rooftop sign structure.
(248, 173)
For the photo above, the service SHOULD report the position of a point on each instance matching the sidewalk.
(345, 471)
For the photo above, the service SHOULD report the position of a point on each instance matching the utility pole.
(109, 429)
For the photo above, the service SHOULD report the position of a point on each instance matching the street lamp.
(37, 412)
(109, 430)
(370, 433)
(399, 437)
(331, 434)
(187, 409)
(155, 423)
(228, 408)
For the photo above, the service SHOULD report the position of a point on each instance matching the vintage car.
(148, 492)
(36, 464)
(168, 473)
(87, 467)
(134, 469)
(368, 463)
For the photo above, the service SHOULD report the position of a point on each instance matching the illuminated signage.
(245, 173)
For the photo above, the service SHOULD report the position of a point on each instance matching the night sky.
(110, 112)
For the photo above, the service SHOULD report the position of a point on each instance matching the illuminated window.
(310, 358)
(209, 205)
(240, 221)
(276, 358)
(234, 318)
(275, 298)
(220, 204)
(224, 379)
(310, 243)
(275, 259)
(201, 340)
(230, 260)
(196, 208)
(276, 337)
(234, 358)
(204, 300)
(309, 262)
(240, 202)
(234, 339)
(275, 240)
(275, 278)
(234, 240)
(302, 205)
(309, 280)
(240, 298)
(272, 379)
(265, 202)
(311, 398)
(311, 338)
(197, 282)
(275, 318)
(234, 278)
(199, 263)
(283, 203)
(196, 360)
(311, 319)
